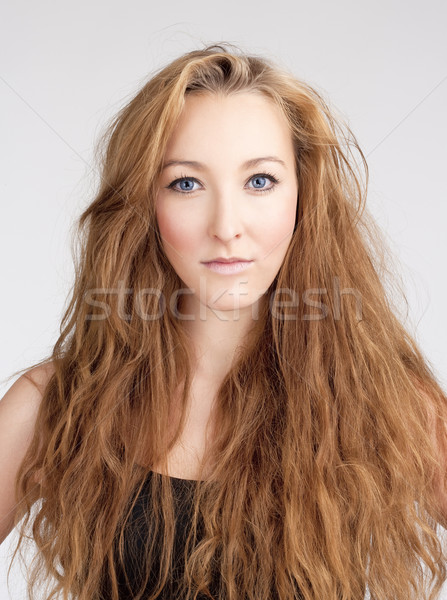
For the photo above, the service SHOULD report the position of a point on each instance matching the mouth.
(230, 259)
(228, 267)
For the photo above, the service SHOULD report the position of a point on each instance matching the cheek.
(277, 229)
(176, 231)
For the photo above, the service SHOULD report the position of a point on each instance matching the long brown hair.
(322, 464)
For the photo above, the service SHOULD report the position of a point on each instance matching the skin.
(226, 215)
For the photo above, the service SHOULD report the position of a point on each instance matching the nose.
(225, 217)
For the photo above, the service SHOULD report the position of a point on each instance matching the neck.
(216, 335)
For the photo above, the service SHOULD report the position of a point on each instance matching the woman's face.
(224, 201)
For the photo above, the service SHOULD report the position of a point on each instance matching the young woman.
(233, 408)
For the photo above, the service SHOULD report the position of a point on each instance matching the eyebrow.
(246, 165)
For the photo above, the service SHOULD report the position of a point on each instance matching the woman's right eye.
(188, 190)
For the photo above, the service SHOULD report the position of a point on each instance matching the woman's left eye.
(259, 179)
(263, 176)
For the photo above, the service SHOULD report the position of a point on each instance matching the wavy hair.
(323, 471)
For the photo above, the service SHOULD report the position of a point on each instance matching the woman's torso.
(136, 532)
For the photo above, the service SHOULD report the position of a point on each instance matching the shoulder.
(26, 391)
(435, 407)
(40, 376)
(18, 411)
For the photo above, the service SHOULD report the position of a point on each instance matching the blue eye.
(183, 179)
(259, 177)
(263, 176)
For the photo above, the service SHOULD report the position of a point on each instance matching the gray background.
(66, 68)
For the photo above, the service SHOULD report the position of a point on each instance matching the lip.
(228, 268)
(231, 259)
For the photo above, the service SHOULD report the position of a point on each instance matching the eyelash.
(270, 176)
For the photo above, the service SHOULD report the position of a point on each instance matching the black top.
(136, 529)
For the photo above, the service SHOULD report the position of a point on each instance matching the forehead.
(245, 123)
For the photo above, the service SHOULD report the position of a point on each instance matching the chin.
(230, 304)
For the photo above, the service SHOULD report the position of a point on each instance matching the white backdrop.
(68, 67)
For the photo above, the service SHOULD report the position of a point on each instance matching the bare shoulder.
(40, 376)
(28, 389)
(18, 411)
